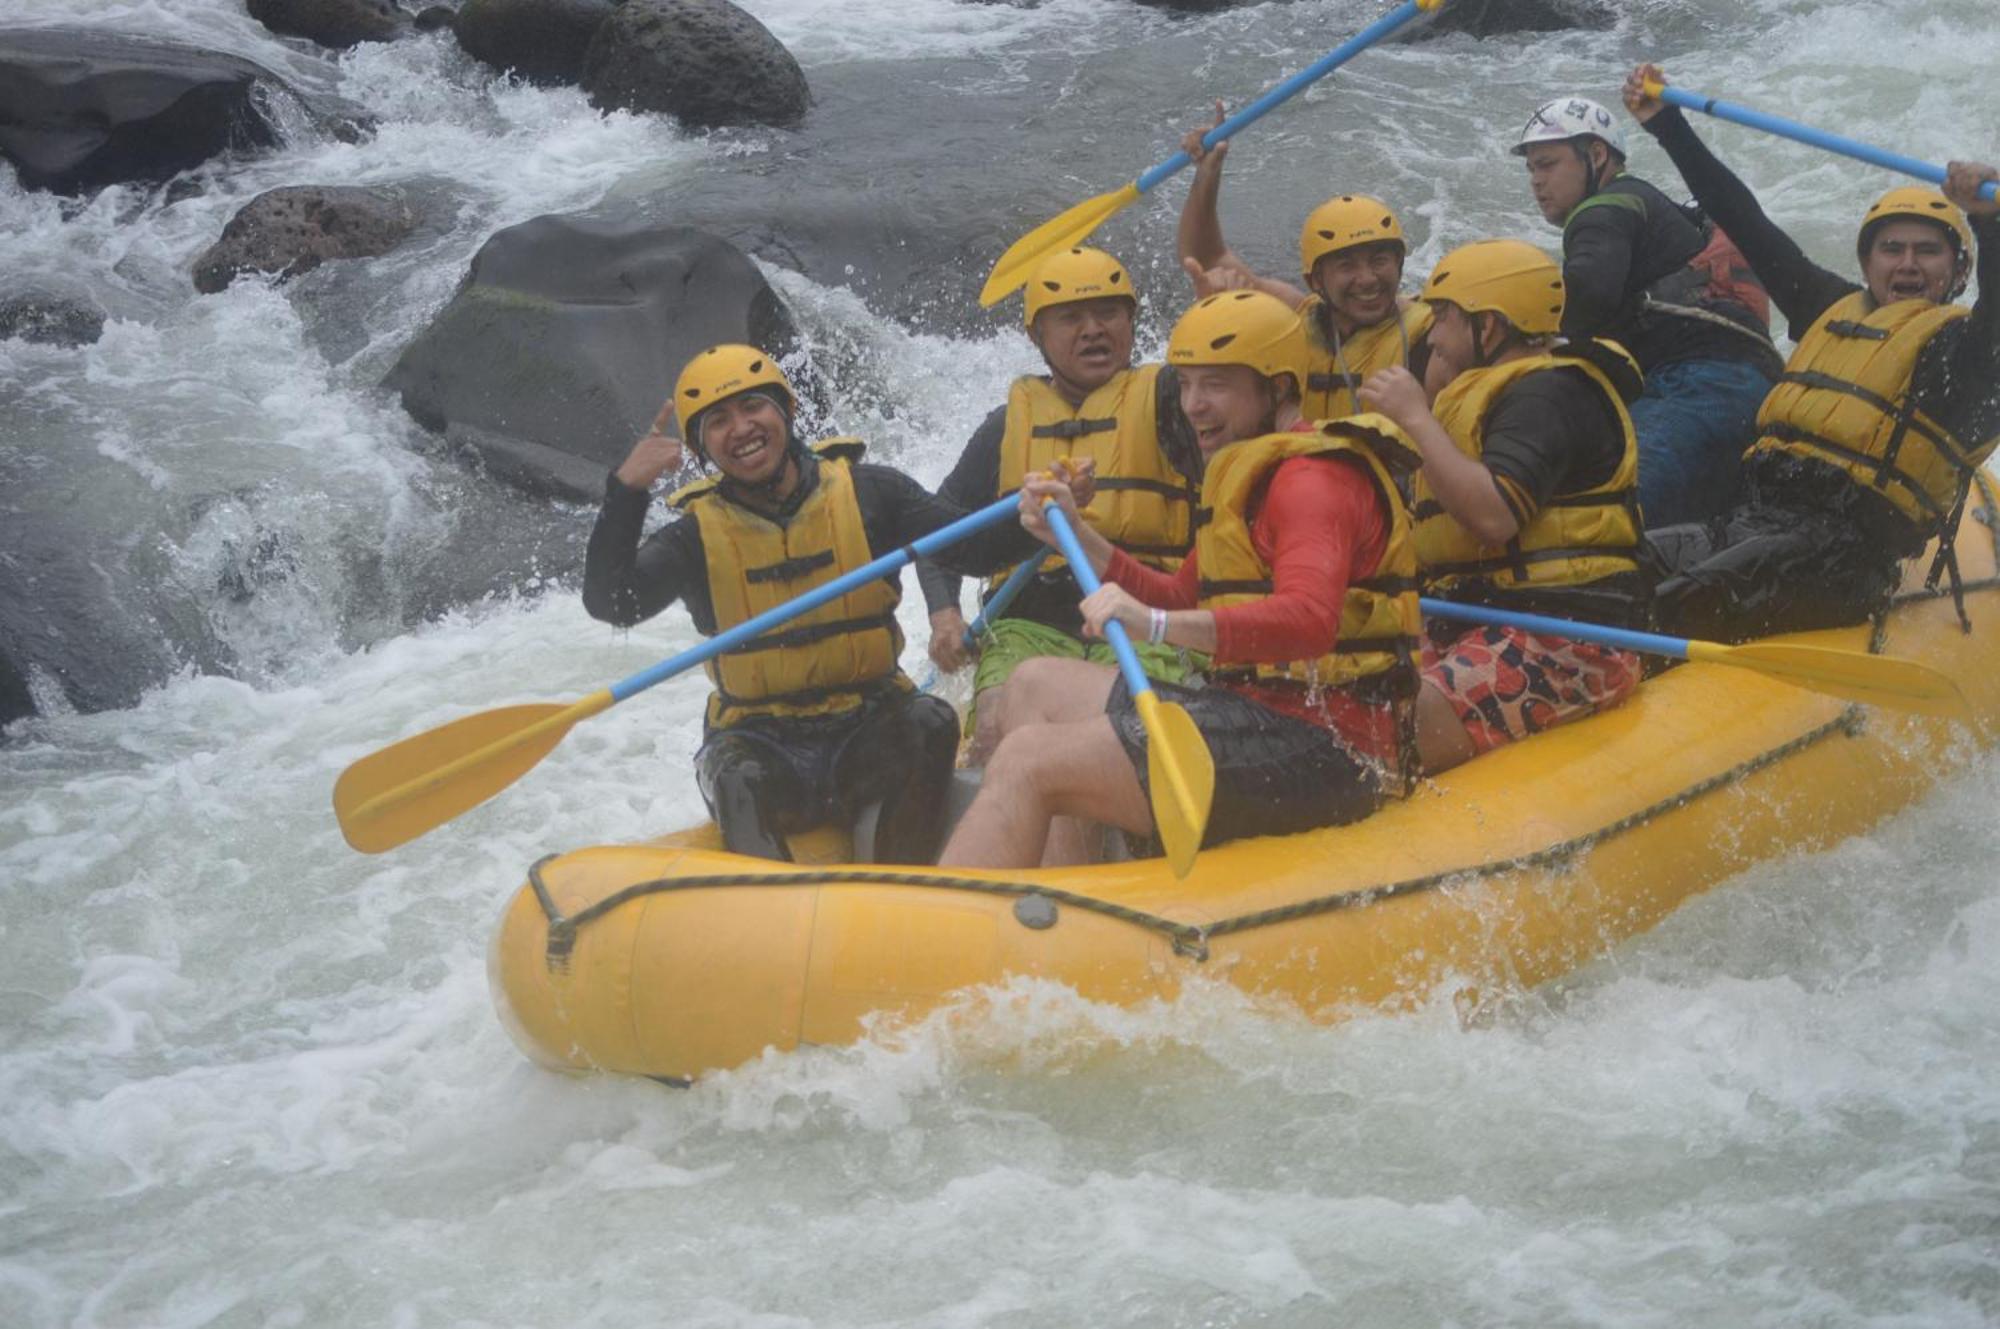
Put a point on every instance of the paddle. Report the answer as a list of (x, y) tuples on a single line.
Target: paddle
[(1879, 680), (1812, 138), (408, 788), (1071, 227), (996, 602), (1179, 770)]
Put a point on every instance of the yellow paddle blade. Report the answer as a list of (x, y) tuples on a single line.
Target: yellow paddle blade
[(1182, 776), (1062, 232), (1878, 680), (390, 797)]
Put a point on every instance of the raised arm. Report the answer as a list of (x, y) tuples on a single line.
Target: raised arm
[(1800, 288), (1205, 256), (625, 581)]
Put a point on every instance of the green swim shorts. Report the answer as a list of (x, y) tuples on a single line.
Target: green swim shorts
[(1006, 643)]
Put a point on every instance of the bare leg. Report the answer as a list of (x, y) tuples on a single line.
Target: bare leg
[(1042, 772), (1072, 842), (1442, 742), (1047, 689), (985, 725)]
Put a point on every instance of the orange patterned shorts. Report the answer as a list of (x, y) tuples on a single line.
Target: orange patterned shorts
[(1508, 683)]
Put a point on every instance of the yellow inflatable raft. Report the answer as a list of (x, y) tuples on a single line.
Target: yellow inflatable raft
[(675, 958)]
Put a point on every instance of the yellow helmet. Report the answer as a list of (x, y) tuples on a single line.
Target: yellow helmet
[(723, 371), (1344, 222), (1241, 328), (1073, 275), (1924, 205), (1508, 277)]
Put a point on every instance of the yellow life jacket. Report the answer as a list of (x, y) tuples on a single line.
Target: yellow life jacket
[(820, 663), (1576, 538), (1336, 370), (1141, 504), (1844, 399), (1379, 621)]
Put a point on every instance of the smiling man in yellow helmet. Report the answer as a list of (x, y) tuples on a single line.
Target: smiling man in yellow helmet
[(1351, 255), (1301, 585), (1868, 445), (1092, 406), (814, 721), (1527, 500)]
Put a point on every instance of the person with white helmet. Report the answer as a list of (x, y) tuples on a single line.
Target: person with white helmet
[(1867, 448), (812, 722), (1094, 407), (1659, 279), (1301, 585), (1352, 250), (1526, 500)]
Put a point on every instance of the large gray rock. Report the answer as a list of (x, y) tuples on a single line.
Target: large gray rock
[(340, 23), (80, 108), (1498, 18), (705, 62), (541, 40), (566, 336), (295, 229)]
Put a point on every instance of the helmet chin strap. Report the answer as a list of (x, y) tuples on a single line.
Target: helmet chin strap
[(1480, 359), (1590, 185)]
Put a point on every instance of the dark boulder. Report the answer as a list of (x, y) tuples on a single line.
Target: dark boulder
[(433, 17), (1498, 18), (705, 62), (17, 698), (541, 40), (39, 312), (80, 109), (293, 230), (331, 22), (565, 337)]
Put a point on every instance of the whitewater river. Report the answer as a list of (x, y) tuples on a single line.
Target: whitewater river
[(250, 1078)]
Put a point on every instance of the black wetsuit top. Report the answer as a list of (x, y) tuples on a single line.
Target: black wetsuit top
[(627, 581), (1554, 433), (1049, 598), (1616, 245), (1957, 376)]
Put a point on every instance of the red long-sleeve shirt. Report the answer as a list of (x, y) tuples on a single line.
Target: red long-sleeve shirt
[(1319, 525)]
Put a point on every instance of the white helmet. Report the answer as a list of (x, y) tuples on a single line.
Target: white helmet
[(1568, 118)]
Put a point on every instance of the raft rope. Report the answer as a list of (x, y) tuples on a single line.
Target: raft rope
[(1034, 905), (1189, 939)]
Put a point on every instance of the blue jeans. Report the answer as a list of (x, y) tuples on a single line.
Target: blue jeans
[(1694, 421)]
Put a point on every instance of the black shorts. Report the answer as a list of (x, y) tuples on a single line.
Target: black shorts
[(1274, 775), (836, 764)]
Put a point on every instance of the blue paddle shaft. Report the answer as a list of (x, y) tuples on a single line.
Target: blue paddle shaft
[(1619, 639), (1003, 597), (1087, 582), (992, 514), (1270, 101), (1814, 138)]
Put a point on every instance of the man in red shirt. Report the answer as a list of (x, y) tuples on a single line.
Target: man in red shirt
[(1301, 586)]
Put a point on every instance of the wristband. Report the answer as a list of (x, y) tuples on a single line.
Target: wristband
[(1158, 633)]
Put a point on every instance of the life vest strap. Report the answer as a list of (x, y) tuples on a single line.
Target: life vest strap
[(1242, 586), (1842, 327), (1518, 558), (1171, 492), (1074, 428), (1792, 434), (786, 638), (799, 696), (790, 569), (1388, 585)]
